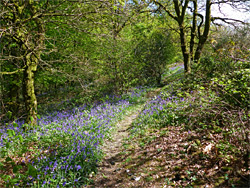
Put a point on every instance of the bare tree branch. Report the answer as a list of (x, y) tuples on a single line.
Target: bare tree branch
[(229, 20), (165, 9)]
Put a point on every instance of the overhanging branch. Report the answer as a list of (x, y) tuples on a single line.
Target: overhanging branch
[(13, 72), (228, 20), (164, 8)]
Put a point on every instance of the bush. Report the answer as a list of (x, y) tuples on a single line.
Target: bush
[(154, 53)]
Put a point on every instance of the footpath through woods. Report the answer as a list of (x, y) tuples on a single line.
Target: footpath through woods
[(127, 165), (165, 157), (114, 170), (162, 144), (111, 166)]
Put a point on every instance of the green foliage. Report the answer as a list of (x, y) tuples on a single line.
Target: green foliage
[(154, 53), (229, 78), (87, 57), (211, 102)]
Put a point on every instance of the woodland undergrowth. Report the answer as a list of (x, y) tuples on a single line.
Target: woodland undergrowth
[(209, 109)]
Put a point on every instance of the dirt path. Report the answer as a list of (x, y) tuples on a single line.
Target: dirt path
[(109, 169), (112, 171)]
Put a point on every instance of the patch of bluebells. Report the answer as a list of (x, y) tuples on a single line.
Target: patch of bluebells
[(160, 111), (173, 107), (134, 95), (69, 142), (111, 98), (176, 67)]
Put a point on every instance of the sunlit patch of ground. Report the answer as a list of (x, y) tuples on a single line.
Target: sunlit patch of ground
[(178, 158), (171, 157)]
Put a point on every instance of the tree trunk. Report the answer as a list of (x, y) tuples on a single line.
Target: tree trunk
[(185, 53), (204, 36), (199, 49), (26, 28), (158, 79), (31, 62), (29, 89), (180, 19), (193, 30)]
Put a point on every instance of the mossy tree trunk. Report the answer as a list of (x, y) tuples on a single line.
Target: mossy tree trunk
[(31, 61), (28, 33), (29, 89)]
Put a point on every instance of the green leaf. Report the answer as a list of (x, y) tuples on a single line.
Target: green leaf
[(7, 145), (25, 126), (8, 159), (9, 114), (15, 124), (226, 177), (12, 45), (32, 171), (194, 178), (20, 138), (31, 118), (221, 82), (10, 132), (15, 169), (6, 177)]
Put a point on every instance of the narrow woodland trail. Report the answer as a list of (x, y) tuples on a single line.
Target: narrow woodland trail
[(113, 158), (112, 170), (170, 156)]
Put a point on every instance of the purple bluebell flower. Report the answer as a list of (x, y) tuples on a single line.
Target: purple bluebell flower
[(78, 167)]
